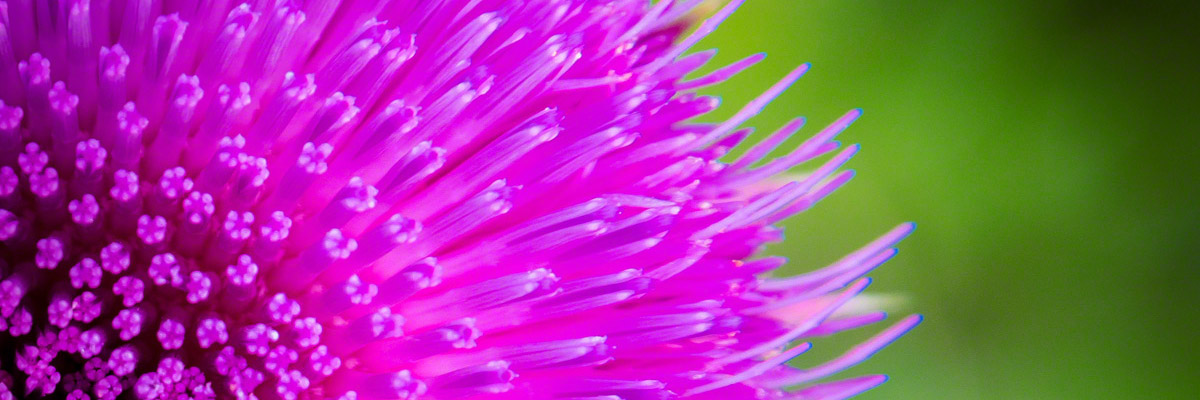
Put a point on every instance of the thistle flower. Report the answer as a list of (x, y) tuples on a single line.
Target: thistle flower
[(399, 200)]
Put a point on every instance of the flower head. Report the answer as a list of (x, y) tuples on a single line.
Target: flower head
[(399, 200)]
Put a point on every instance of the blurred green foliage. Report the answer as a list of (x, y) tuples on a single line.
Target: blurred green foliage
[(1049, 151)]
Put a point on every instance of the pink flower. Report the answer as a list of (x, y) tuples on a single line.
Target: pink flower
[(399, 200)]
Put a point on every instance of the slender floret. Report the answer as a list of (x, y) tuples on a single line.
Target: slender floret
[(374, 199)]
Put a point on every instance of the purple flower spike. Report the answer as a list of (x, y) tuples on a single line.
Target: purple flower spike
[(227, 362), (9, 183), (123, 360), (36, 71), (306, 332), (92, 343), (114, 258), (150, 386), (171, 369), (89, 156), (291, 385), (279, 359), (246, 381), (198, 208), (130, 289), (152, 230), (243, 273), (125, 186), (12, 290), (312, 158), (28, 358), (78, 395), (199, 287), (165, 270), (321, 363), (61, 310), (127, 150), (69, 340), (351, 293), (50, 252), (282, 310), (20, 323), (211, 331), (45, 186), (95, 369), (171, 334), (171, 189), (86, 307), (232, 235), (84, 212), (10, 117), (85, 273), (108, 388), (339, 200), (44, 379), (258, 338), (128, 323), (33, 160)]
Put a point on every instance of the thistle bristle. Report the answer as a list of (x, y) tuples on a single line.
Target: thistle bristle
[(397, 200)]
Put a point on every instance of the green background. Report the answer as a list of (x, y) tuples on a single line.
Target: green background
[(1047, 150)]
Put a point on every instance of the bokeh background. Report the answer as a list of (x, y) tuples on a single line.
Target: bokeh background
[(1049, 151)]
